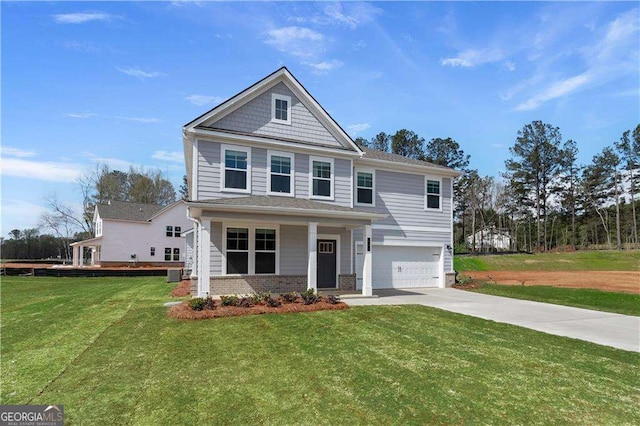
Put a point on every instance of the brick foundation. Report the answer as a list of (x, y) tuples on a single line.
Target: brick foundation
[(347, 282), (245, 284)]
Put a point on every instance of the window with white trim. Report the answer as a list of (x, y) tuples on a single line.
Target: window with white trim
[(167, 254), (265, 251), (280, 108), (433, 194), (176, 254), (169, 232), (237, 250), (365, 193), (321, 177), (280, 178), (236, 165)]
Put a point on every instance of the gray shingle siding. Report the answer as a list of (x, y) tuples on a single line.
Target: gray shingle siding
[(255, 117)]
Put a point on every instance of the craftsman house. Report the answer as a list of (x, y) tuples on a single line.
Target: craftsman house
[(135, 234), (282, 199)]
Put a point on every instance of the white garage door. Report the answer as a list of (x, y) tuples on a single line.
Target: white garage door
[(406, 267)]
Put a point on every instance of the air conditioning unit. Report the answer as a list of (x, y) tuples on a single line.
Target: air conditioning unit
[(174, 275)]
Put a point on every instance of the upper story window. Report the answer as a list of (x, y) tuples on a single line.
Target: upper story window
[(433, 194), (280, 178), (280, 108), (173, 231), (169, 231), (99, 228), (322, 176), (365, 191), (236, 169)]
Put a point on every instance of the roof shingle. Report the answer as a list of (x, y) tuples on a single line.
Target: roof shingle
[(121, 210)]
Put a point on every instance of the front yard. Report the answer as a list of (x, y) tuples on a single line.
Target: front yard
[(105, 349)]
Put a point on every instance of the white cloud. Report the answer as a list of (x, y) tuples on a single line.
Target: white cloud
[(616, 55), (114, 163), (81, 18), (19, 214), (137, 72), (84, 115), (352, 14), (175, 156), (497, 145), (556, 90), (41, 170), (298, 41), (8, 151), (201, 100), (81, 115), (473, 57), (325, 66), (354, 129), (509, 66)]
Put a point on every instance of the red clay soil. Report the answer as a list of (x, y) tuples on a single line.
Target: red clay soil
[(183, 311), (47, 265), (182, 289), (620, 281)]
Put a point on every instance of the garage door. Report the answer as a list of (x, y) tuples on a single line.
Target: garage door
[(405, 267)]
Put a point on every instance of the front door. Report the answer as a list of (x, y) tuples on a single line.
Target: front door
[(326, 263)]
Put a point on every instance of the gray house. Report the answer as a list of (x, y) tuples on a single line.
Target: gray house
[(282, 199)]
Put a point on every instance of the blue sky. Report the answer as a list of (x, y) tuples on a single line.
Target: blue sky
[(114, 82)]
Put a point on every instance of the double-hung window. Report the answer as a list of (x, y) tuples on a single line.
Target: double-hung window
[(322, 175), (236, 169), (365, 188), (176, 254), (280, 108), (177, 231), (433, 194), (167, 254), (281, 175), (237, 250), (265, 251), (169, 232)]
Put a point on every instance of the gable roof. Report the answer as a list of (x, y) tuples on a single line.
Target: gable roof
[(282, 75), (135, 212), (395, 159)]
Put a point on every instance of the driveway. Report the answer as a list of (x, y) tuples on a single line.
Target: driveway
[(603, 328)]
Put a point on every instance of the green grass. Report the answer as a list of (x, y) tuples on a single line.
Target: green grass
[(575, 261), (621, 303), (106, 350)]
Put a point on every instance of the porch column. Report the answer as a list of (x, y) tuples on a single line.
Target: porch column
[(367, 289), (312, 265), (74, 256), (81, 257), (93, 256), (204, 274)]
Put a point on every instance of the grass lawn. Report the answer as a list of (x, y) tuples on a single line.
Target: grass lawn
[(621, 303), (628, 260), (105, 349)]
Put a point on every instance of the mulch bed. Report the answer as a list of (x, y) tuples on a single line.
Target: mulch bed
[(182, 289), (472, 285), (183, 311)]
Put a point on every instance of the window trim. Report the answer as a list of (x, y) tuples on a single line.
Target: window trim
[(251, 227), (373, 187), (176, 254), (332, 180), (168, 231), (438, 179), (292, 187), (277, 96), (223, 153), (170, 254)]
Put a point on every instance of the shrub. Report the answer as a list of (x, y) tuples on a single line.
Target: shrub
[(271, 302), (308, 298), (196, 303), (229, 300), (289, 297), (260, 297), (209, 303), (333, 299), (245, 302)]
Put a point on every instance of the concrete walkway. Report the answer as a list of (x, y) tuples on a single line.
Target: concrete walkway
[(603, 328)]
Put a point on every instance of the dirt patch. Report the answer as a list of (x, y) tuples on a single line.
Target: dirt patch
[(182, 289), (183, 311), (620, 281)]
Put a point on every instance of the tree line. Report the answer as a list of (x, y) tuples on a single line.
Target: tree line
[(544, 199)]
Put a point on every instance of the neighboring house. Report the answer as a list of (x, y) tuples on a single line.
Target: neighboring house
[(282, 199), (490, 239), (135, 234)]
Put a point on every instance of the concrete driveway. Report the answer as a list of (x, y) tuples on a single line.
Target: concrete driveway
[(603, 328)]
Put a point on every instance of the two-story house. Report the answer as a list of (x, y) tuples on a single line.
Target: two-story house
[(135, 234), (282, 199)]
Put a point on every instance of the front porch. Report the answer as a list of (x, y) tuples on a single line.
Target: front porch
[(279, 250), (94, 245)]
